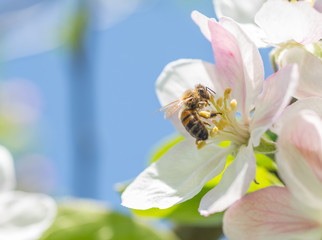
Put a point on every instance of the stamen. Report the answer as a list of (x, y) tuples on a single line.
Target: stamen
[(214, 131), (220, 102), (233, 104), (227, 92)]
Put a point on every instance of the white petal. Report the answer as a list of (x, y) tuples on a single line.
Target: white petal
[(233, 184), (241, 11), (177, 176), (301, 22), (267, 214), (181, 75), (7, 175), (312, 103), (310, 68), (276, 95), (299, 157), (239, 63), (25, 216)]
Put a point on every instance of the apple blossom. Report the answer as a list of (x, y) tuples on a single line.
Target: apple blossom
[(295, 211), (238, 80), (297, 39), (24, 216)]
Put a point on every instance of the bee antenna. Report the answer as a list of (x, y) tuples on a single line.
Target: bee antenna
[(210, 90)]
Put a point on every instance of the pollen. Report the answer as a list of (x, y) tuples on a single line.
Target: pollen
[(214, 131), (227, 92), (233, 104), (205, 114)]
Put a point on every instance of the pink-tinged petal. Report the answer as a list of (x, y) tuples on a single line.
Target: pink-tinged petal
[(233, 184), (241, 11), (301, 22), (25, 216), (269, 214), (276, 95), (318, 5), (238, 61), (310, 69), (7, 174), (181, 75), (176, 177), (299, 157), (312, 103), (202, 21)]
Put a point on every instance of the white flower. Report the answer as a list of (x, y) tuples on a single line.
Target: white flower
[(24, 216), (238, 80), (295, 211), (294, 28)]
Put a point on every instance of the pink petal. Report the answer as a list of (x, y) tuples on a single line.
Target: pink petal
[(181, 75), (268, 214), (310, 69), (233, 184), (312, 103), (239, 63), (299, 157), (301, 22), (176, 177), (276, 95)]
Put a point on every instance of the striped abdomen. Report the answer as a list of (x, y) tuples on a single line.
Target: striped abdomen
[(193, 124)]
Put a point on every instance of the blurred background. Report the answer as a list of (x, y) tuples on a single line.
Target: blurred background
[(77, 88)]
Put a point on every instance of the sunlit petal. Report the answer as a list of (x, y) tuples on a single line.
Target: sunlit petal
[(7, 175), (233, 184), (299, 157), (301, 22), (239, 62), (277, 92), (177, 176), (268, 214), (310, 69), (25, 216), (312, 103), (241, 11)]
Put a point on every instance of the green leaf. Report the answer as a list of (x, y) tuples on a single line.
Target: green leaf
[(265, 146), (89, 220)]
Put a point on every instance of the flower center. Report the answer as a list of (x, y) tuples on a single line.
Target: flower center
[(308, 1), (220, 120)]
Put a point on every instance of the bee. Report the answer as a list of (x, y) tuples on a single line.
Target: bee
[(192, 101)]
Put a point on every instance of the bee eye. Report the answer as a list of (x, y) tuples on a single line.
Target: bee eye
[(202, 93)]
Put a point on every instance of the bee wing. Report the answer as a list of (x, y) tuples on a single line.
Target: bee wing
[(172, 107)]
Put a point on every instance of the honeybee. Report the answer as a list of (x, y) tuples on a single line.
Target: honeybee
[(193, 100)]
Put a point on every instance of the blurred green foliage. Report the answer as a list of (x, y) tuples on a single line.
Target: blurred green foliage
[(90, 220)]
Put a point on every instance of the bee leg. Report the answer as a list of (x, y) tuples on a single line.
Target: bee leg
[(256, 181), (200, 144), (214, 114)]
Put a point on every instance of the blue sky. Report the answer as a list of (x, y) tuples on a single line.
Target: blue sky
[(126, 60)]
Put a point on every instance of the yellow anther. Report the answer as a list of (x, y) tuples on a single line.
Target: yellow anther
[(220, 101), (205, 114), (201, 144), (214, 131), (233, 104), (227, 92)]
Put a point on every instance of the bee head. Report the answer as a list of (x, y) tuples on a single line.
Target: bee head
[(202, 90)]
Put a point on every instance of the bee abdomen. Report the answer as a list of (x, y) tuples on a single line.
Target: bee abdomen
[(193, 125)]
